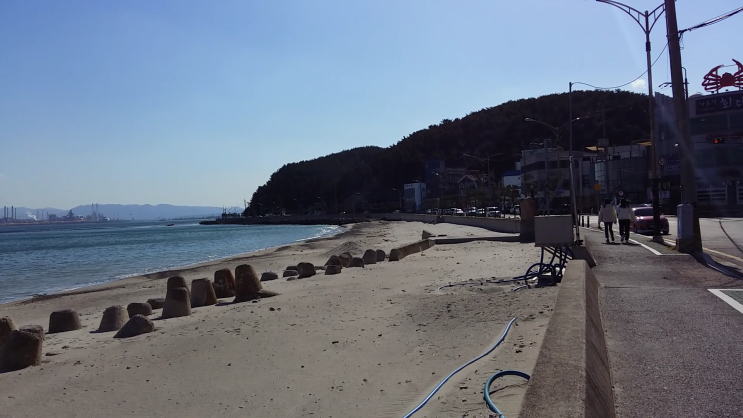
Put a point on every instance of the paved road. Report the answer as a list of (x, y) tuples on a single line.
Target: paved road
[(674, 347)]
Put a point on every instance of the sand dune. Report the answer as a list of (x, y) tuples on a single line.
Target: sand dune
[(368, 342)]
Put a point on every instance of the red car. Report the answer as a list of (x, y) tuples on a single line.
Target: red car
[(644, 223)]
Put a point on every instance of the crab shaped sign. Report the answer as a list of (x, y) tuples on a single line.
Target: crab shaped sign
[(713, 81)]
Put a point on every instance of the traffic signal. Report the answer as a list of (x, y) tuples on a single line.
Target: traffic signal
[(718, 141)]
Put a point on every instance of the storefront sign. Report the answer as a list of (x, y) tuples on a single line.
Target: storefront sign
[(714, 104)]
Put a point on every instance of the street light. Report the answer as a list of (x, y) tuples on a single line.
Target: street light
[(643, 19)]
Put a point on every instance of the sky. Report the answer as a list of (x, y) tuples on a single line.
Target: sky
[(199, 102)]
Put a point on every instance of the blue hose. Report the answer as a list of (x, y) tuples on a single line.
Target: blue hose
[(436, 389), (486, 390)]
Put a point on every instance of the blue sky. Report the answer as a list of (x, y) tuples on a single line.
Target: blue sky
[(197, 103)]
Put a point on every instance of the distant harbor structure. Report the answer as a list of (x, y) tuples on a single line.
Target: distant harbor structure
[(10, 216)]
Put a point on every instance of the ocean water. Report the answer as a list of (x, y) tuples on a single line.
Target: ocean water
[(44, 259)]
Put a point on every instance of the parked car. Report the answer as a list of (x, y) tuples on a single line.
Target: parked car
[(516, 210), (644, 223), (481, 212), (493, 212), (457, 212)]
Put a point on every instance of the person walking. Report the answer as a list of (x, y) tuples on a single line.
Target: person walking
[(626, 216), (608, 216)]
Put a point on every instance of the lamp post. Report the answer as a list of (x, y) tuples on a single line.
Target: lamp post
[(644, 20)]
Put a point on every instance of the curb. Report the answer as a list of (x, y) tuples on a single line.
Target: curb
[(572, 377)]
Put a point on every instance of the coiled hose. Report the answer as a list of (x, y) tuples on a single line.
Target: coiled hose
[(487, 384)]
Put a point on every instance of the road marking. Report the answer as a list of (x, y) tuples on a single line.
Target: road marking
[(652, 250), (730, 301), (723, 254)]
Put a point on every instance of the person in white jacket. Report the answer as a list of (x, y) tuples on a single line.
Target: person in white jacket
[(608, 216), (626, 216)]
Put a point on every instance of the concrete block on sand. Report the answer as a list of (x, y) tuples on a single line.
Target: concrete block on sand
[(156, 303), (139, 308), (224, 283), (176, 281), (381, 255), (345, 259), (306, 270), (21, 350), (426, 235), (356, 262), (202, 293), (34, 329), (334, 260), (138, 324), (268, 276), (114, 317), (332, 269), (177, 303), (370, 257), (290, 273), (7, 326), (291, 268), (248, 284), (64, 321)]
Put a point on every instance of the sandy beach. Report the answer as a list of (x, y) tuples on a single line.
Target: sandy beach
[(369, 342)]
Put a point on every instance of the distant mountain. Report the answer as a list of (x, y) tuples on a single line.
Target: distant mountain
[(127, 212)]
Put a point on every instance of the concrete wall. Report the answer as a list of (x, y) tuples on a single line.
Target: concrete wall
[(572, 376), (507, 225)]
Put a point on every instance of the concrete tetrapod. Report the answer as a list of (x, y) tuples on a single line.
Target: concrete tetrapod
[(290, 273), (345, 259), (156, 303), (21, 350), (202, 293), (138, 324), (381, 255), (176, 281), (224, 283), (332, 269), (139, 308), (334, 260), (114, 317), (63, 321), (356, 262), (306, 270), (7, 326), (370, 257), (34, 329), (248, 284), (268, 276), (177, 303)]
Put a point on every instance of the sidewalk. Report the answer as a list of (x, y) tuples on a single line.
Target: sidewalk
[(674, 347)]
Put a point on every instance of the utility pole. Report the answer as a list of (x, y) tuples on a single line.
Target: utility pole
[(688, 175), (644, 20)]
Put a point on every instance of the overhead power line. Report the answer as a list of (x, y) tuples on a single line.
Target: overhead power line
[(633, 80), (712, 21)]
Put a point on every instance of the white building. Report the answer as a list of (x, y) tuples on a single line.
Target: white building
[(414, 194)]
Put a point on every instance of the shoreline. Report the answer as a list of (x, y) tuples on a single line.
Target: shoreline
[(369, 341), (134, 278)]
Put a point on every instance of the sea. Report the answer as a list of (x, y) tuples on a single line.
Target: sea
[(45, 259)]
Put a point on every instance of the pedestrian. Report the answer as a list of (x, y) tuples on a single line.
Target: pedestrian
[(626, 216), (608, 216)]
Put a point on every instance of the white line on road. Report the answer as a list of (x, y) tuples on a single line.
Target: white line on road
[(730, 301), (652, 250)]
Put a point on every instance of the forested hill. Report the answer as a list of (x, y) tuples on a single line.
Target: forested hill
[(373, 172)]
